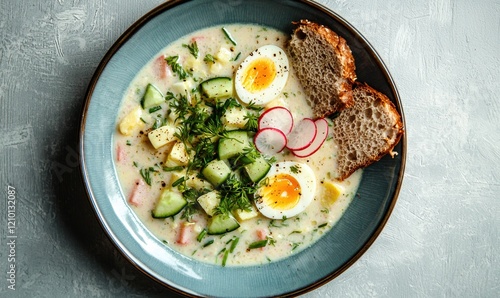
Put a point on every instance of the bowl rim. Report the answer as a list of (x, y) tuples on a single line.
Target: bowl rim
[(138, 24)]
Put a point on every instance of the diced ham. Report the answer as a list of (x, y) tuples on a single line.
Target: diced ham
[(262, 234), (161, 68), (120, 154), (185, 233), (138, 193), (198, 38)]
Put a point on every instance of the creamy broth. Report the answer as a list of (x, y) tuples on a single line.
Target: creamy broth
[(135, 153)]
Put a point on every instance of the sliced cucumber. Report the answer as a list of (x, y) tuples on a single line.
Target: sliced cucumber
[(169, 204), (234, 144), (222, 223), (258, 169), (216, 172), (218, 87), (152, 97)]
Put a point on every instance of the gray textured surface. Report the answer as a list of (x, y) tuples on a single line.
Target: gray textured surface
[(442, 238)]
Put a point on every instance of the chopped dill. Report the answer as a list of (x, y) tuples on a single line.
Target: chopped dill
[(252, 121), (176, 67), (193, 48), (190, 194), (209, 58), (234, 195), (146, 175), (295, 169)]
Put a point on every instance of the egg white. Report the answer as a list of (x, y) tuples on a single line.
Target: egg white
[(305, 177), (281, 66)]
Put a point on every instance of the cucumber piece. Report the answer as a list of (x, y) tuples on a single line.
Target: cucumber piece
[(218, 87), (216, 172), (258, 169), (169, 204), (234, 144), (152, 97), (222, 223)]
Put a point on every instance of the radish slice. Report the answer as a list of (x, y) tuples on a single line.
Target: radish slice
[(322, 133), (277, 117), (270, 141), (302, 135)]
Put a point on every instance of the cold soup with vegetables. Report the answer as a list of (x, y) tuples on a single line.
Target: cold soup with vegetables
[(218, 154)]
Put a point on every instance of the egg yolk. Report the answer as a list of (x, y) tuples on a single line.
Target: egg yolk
[(282, 192), (259, 74)]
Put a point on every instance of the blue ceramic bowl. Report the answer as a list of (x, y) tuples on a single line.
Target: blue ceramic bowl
[(302, 272)]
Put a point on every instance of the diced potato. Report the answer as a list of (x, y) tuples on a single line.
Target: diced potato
[(183, 87), (178, 155), (242, 215), (196, 66), (209, 201), (162, 136), (234, 118), (332, 191), (131, 122), (191, 180), (223, 55), (217, 68), (198, 183)]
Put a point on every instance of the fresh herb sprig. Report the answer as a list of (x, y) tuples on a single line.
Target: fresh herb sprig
[(190, 194), (235, 194), (177, 67), (146, 174), (193, 48), (209, 58)]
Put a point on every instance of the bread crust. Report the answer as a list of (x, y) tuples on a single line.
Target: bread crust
[(389, 144), (345, 58), (337, 42)]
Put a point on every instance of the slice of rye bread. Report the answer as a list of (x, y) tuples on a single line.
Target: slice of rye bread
[(367, 131), (324, 66)]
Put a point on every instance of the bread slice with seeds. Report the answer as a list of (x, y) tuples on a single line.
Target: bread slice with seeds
[(324, 66), (367, 131)]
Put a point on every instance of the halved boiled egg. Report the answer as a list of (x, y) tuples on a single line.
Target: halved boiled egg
[(262, 75), (287, 190)]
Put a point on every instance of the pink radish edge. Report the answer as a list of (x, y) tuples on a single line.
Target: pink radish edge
[(270, 140), (267, 119), (321, 135), (302, 135)]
